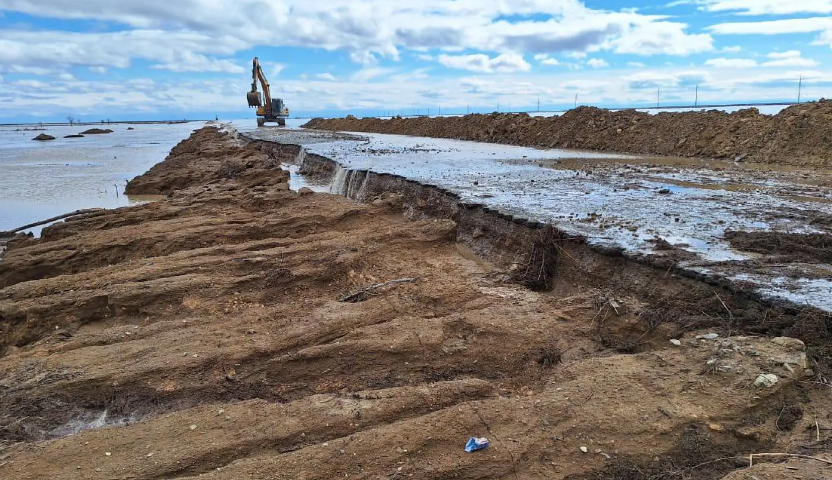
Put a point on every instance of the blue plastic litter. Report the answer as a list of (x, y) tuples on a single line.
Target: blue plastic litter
[(476, 443)]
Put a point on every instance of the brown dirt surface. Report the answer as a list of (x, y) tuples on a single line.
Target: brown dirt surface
[(43, 137), (800, 135), (784, 247), (96, 131), (202, 336)]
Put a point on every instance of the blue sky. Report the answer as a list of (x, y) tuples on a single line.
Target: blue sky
[(126, 59)]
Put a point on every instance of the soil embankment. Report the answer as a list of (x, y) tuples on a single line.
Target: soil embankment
[(203, 336), (800, 135)]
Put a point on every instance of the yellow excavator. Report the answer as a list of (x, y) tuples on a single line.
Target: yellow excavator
[(270, 110)]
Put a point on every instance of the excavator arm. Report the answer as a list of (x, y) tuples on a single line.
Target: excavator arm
[(254, 99)]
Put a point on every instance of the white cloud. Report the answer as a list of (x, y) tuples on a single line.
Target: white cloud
[(98, 70), (597, 63), (790, 58), (369, 30), (731, 63), (424, 57), (545, 59), (326, 76), (774, 27), (368, 73), (364, 57), (768, 7), (636, 64), (662, 38), (481, 63), (731, 49)]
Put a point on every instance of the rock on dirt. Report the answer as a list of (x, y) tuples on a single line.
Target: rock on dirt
[(798, 135), (44, 137), (74, 136), (229, 291)]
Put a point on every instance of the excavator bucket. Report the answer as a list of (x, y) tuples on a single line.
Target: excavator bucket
[(254, 99)]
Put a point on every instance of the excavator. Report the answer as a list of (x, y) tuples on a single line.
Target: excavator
[(270, 110)]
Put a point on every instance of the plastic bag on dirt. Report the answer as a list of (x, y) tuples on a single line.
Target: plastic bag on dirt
[(476, 443)]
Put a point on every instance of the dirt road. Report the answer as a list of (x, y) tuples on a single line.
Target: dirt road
[(202, 336)]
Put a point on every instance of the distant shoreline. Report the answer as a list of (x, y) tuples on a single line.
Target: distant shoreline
[(115, 122)]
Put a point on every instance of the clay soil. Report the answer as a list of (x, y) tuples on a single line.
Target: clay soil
[(202, 336), (800, 135)]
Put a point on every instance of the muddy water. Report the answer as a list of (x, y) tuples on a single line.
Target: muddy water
[(39, 180)]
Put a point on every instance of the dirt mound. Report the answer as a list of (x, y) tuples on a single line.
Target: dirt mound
[(785, 247), (210, 155), (798, 135), (74, 136), (96, 131), (43, 137), (207, 332)]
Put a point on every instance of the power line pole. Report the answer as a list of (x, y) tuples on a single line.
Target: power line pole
[(658, 96), (799, 89), (538, 103), (576, 100), (696, 100)]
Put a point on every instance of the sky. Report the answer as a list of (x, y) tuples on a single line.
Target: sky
[(172, 59)]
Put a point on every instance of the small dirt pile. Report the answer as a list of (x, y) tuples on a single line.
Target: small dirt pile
[(43, 137), (798, 135), (74, 136), (96, 131)]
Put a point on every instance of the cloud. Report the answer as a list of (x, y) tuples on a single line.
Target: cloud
[(768, 7), (731, 63), (481, 63), (636, 64), (544, 59), (731, 49), (790, 58), (326, 76), (368, 30), (597, 63), (774, 27), (364, 58), (662, 38), (182, 51)]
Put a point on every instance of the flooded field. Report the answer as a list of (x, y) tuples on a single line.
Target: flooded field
[(645, 206), (39, 180)]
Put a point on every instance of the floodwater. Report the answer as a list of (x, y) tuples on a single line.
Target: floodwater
[(614, 201), (39, 180)]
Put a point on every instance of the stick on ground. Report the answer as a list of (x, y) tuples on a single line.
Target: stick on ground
[(362, 294)]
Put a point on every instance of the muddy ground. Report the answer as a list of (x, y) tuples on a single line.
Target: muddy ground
[(203, 336), (798, 135)]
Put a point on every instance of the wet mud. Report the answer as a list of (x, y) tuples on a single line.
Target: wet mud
[(202, 336)]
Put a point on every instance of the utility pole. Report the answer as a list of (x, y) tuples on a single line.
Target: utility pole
[(696, 99), (538, 103), (799, 89), (658, 96), (576, 100)]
